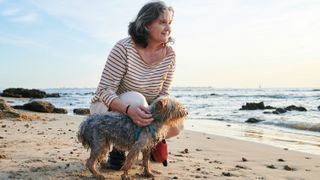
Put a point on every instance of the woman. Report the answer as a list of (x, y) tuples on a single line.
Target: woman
[(143, 62)]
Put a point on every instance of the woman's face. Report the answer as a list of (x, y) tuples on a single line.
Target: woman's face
[(160, 29)]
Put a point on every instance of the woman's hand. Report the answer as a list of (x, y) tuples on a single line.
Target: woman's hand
[(140, 115)]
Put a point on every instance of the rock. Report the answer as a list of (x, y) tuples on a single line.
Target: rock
[(295, 108), (60, 111), (6, 111), (26, 93), (253, 120), (319, 108), (21, 92), (226, 174), (39, 106), (269, 107), (271, 166), (81, 111), (2, 156), (279, 111), (53, 95), (288, 168), (244, 159), (253, 106)]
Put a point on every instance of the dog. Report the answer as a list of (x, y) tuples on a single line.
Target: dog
[(99, 132)]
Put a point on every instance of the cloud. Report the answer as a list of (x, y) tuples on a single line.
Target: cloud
[(10, 11), (105, 21), (26, 18), (18, 41)]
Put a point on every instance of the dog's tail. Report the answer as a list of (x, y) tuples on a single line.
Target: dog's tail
[(82, 135)]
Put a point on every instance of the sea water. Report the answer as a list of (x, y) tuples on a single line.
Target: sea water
[(216, 111)]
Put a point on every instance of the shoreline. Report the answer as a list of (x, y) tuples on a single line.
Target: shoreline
[(47, 149), (280, 138)]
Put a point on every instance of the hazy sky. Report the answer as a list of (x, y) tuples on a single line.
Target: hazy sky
[(219, 43)]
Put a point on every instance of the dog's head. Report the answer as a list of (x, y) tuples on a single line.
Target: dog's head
[(168, 110)]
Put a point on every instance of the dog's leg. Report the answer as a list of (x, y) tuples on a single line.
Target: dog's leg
[(146, 164), (102, 158), (95, 153), (131, 157), (104, 150)]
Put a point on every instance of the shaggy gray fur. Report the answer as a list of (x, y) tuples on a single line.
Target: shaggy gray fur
[(98, 132)]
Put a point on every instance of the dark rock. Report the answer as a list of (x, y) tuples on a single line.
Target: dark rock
[(253, 106), (271, 166), (288, 168), (253, 120), (39, 106), (81, 111), (269, 107), (319, 108), (60, 111), (27, 93), (21, 92), (267, 112), (279, 111), (53, 95), (295, 108), (18, 107), (226, 174), (213, 94)]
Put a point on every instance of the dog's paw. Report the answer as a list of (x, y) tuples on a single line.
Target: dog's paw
[(156, 172), (99, 176), (126, 177), (147, 174)]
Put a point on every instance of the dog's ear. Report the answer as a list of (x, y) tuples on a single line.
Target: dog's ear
[(161, 104)]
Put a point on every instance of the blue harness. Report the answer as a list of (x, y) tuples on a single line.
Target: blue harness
[(151, 130)]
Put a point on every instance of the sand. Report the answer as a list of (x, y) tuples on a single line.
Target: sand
[(47, 148)]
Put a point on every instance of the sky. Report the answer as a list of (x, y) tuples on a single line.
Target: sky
[(218, 43)]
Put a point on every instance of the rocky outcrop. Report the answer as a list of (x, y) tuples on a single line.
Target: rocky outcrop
[(253, 120), (279, 111), (295, 108), (41, 106), (255, 106), (81, 111), (319, 108), (60, 111), (26, 93), (6, 111)]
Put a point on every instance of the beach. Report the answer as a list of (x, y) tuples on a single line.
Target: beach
[(46, 147)]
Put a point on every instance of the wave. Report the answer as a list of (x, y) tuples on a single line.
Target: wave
[(267, 96), (297, 126)]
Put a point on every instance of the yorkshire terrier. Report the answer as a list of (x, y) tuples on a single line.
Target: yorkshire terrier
[(99, 132)]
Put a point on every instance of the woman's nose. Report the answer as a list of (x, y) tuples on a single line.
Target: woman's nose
[(168, 27)]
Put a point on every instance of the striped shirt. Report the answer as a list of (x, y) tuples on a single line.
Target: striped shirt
[(126, 71)]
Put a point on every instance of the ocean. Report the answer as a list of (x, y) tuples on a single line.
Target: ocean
[(216, 111)]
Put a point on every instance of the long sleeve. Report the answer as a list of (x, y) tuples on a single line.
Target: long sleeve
[(168, 79), (113, 72)]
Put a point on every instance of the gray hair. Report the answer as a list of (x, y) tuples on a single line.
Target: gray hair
[(147, 14)]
